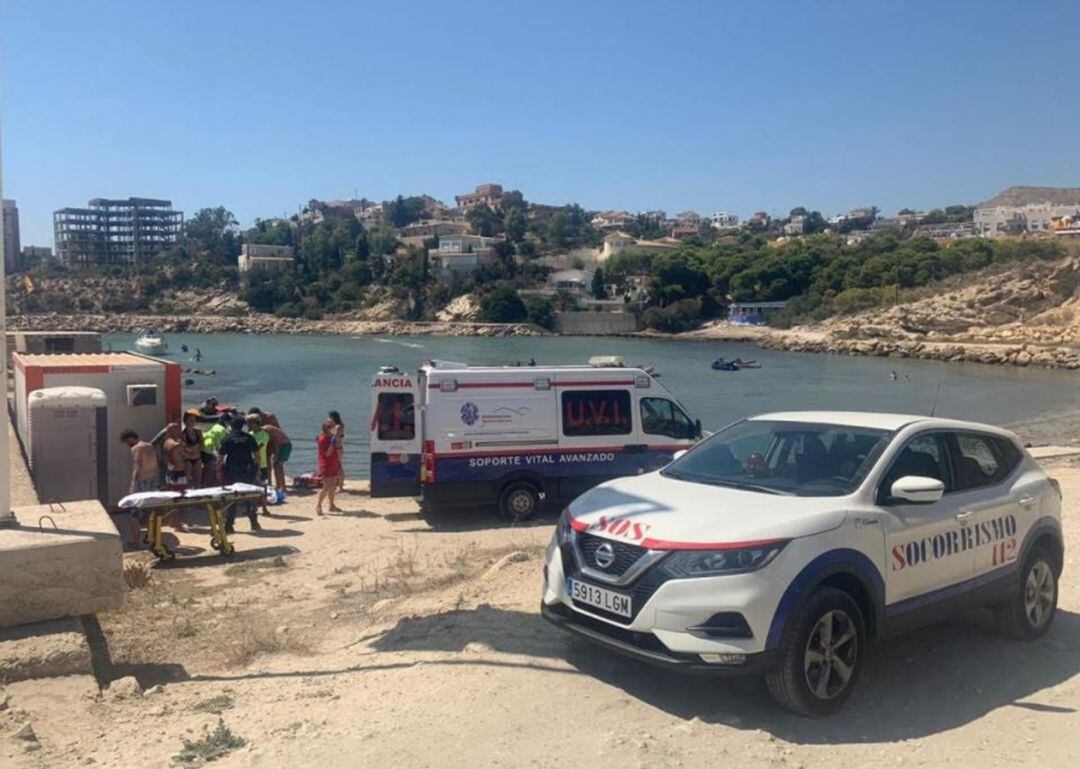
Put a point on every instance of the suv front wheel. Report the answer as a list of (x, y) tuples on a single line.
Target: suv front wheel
[(821, 655)]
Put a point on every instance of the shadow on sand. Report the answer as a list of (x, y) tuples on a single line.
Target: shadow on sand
[(930, 681)]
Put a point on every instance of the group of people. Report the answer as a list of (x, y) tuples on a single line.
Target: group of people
[(235, 448)]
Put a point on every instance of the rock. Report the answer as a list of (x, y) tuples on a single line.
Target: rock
[(156, 689), (25, 733), (475, 647), (334, 615), (517, 556), (124, 688), (3, 701), (382, 605)]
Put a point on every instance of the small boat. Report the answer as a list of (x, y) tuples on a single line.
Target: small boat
[(746, 363), (151, 342), (724, 365)]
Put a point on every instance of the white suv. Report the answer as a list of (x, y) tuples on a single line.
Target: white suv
[(782, 545)]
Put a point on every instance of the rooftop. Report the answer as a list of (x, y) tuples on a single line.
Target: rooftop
[(109, 360)]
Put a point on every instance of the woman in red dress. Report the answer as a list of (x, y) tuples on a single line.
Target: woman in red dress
[(329, 466)]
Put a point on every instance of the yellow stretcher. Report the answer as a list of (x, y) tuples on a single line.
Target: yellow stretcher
[(157, 506)]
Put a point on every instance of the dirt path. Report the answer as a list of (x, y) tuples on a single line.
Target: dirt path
[(376, 640)]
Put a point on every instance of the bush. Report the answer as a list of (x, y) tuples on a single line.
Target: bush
[(540, 311), (683, 315), (503, 305)]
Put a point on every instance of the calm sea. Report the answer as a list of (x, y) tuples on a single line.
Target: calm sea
[(299, 378)]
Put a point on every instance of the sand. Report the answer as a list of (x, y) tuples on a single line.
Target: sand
[(378, 639)]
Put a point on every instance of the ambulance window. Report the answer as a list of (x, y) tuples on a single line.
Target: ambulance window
[(596, 412), (396, 417), (659, 416)]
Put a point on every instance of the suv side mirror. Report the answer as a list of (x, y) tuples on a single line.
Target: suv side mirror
[(917, 489)]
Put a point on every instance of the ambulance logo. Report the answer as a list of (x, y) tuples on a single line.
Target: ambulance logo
[(469, 414)]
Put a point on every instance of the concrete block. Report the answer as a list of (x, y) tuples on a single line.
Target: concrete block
[(44, 650), (71, 569)]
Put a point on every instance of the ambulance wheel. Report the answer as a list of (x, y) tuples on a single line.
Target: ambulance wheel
[(821, 655), (1029, 612), (519, 501)]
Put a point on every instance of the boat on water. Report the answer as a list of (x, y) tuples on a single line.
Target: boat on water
[(151, 342), (724, 365)]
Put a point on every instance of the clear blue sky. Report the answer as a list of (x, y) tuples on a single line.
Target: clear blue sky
[(260, 106)]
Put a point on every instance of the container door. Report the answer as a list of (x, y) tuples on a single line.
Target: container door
[(395, 436)]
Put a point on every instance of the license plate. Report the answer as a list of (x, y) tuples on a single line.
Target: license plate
[(599, 598)]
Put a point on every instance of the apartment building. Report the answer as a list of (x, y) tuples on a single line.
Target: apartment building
[(260, 257), (725, 220), (10, 225), (458, 255), (115, 232), (489, 195)]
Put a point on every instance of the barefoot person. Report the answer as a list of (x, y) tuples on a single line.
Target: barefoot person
[(144, 471), (279, 450), (193, 453), (339, 437), (176, 477), (329, 466)]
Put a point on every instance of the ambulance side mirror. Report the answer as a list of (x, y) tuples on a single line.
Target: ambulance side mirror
[(917, 489)]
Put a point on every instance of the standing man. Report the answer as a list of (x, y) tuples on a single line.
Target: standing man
[(144, 472), (240, 461), (266, 417), (279, 450), (262, 440), (193, 441)]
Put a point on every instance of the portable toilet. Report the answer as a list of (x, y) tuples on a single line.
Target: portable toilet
[(143, 394), (67, 429)]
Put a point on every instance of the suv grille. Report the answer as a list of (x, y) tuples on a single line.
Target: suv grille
[(626, 555), (640, 590)]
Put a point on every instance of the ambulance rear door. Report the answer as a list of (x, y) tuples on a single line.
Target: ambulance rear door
[(395, 434)]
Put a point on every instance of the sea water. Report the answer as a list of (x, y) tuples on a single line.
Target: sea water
[(300, 378)]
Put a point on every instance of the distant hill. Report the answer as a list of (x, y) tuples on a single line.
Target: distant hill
[(1026, 196)]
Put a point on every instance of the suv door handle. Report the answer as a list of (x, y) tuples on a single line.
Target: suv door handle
[(964, 516), (1028, 501)]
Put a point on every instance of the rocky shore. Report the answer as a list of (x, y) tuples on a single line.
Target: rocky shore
[(265, 324)]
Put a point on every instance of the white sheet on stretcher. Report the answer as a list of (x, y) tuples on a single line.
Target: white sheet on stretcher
[(153, 498)]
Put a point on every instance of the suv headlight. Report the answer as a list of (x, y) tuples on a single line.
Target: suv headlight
[(563, 527), (710, 563)]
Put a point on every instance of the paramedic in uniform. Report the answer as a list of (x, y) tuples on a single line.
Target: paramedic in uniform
[(239, 455)]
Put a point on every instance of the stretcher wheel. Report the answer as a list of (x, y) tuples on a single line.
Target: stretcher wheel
[(228, 550), (215, 544)]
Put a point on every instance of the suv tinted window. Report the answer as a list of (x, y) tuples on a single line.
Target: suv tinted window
[(923, 456), (980, 460), (596, 412)]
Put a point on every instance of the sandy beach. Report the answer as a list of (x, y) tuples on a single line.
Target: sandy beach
[(378, 638)]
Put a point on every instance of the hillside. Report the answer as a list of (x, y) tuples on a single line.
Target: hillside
[(1034, 302), (1026, 196)]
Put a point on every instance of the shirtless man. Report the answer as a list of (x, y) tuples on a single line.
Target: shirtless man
[(279, 451), (144, 471), (175, 460)]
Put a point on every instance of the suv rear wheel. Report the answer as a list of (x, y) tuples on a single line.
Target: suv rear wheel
[(1030, 611), (519, 501), (822, 655)]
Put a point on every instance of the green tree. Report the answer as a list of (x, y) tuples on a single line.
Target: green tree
[(503, 305), (484, 220), (213, 232), (362, 247), (515, 225), (599, 290), (402, 211)]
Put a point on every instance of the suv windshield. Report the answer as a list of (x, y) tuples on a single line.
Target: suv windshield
[(800, 458)]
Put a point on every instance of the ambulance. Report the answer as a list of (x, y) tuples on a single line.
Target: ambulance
[(518, 436)]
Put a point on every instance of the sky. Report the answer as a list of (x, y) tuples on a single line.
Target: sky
[(733, 106)]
